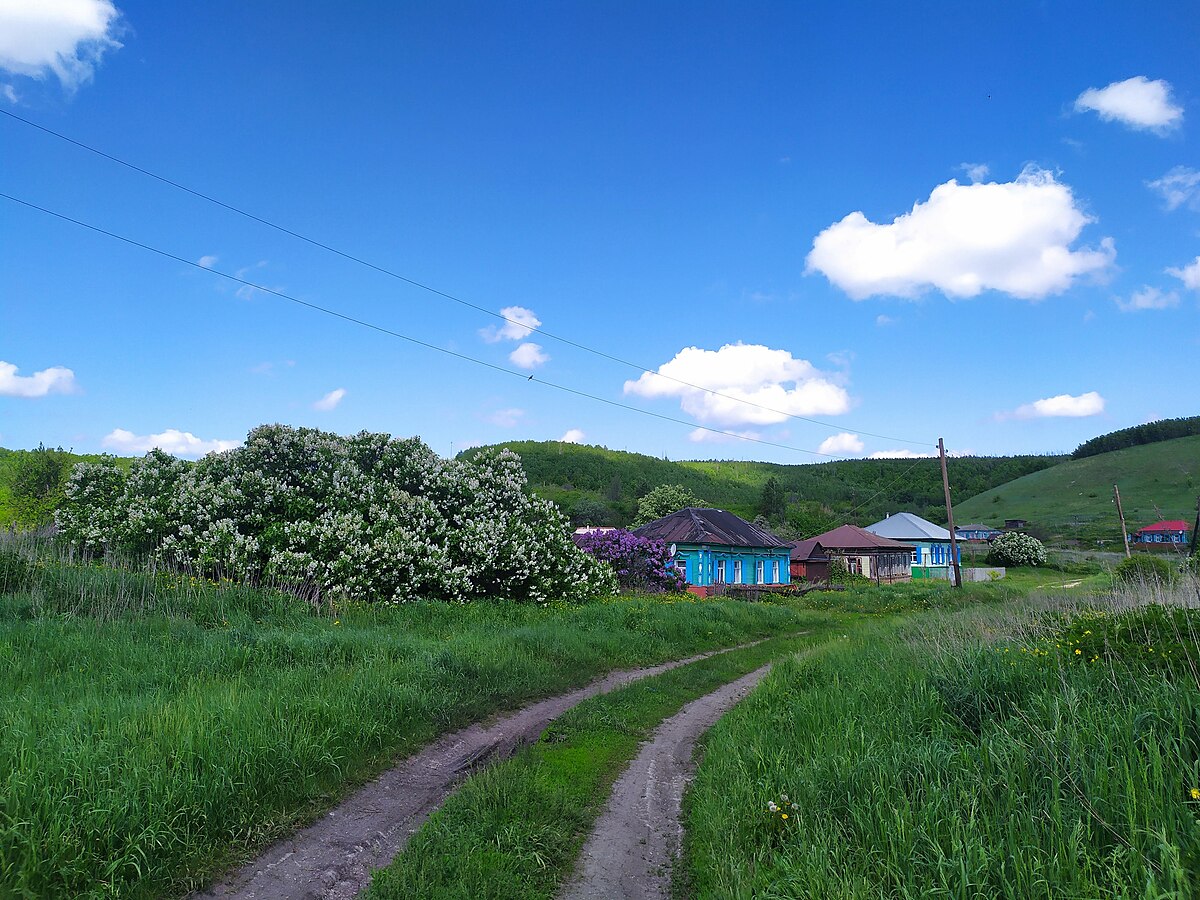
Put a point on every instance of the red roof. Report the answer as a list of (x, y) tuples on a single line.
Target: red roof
[(1169, 525), (808, 551), (851, 537)]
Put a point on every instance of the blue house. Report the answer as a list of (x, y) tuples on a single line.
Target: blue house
[(931, 556), (713, 547), (1173, 531), (976, 532)]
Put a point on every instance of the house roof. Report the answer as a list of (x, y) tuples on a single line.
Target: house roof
[(808, 551), (978, 526), (697, 525), (907, 527), (1168, 525), (851, 537)]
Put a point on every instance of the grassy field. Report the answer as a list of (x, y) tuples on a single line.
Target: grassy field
[(1046, 748), (154, 729), (1073, 501)]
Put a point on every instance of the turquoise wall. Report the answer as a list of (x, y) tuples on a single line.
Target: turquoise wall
[(702, 559)]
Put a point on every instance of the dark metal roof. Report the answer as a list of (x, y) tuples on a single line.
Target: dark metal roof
[(695, 525), (808, 551), (851, 537)]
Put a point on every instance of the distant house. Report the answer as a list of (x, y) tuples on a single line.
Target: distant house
[(879, 558), (714, 547), (1172, 531), (810, 561), (976, 532), (593, 529), (931, 556), (1010, 524)]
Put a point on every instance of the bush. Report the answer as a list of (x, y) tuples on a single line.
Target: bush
[(640, 564), (16, 572), (1142, 568), (1016, 549)]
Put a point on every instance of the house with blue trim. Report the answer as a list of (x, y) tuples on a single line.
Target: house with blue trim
[(1173, 531), (976, 532), (931, 555), (711, 547)]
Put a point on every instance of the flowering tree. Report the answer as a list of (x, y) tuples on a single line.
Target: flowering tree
[(639, 563), (1016, 549), (363, 518), (664, 500)]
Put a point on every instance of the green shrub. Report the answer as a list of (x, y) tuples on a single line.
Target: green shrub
[(1144, 568), (16, 572), (1016, 549)]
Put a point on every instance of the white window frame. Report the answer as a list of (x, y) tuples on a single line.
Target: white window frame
[(760, 572), (774, 571), (737, 571), (720, 571)]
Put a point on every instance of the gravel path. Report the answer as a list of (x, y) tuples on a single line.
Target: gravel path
[(629, 854), (332, 859)]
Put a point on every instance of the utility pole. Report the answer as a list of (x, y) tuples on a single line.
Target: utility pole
[(1195, 529), (950, 517), (1121, 513)]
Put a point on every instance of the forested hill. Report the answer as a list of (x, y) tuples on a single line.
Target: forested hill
[(602, 486), (1139, 435)]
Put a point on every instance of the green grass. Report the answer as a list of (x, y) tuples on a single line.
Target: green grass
[(964, 754), (1073, 501), (154, 730), (514, 830)]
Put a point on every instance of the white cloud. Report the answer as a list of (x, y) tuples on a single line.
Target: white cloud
[(841, 443), (1148, 298), (902, 454), (1179, 186), (1137, 102), (774, 379), (573, 436), (1189, 274), (1013, 237), (63, 37), (54, 380), (528, 356), (1064, 405), (9, 93), (331, 400), (705, 436), (207, 261), (506, 418), (975, 171), (882, 321), (177, 443), (520, 325)]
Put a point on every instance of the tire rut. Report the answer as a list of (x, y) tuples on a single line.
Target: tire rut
[(332, 858)]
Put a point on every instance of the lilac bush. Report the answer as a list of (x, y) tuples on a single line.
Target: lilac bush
[(639, 563)]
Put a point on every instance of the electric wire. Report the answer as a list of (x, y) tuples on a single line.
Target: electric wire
[(440, 293)]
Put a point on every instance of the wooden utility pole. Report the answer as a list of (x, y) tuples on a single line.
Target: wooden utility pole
[(1121, 513), (950, 517), (1195, 529)]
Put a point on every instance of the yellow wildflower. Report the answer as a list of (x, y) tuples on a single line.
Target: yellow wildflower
[(1196, 793)]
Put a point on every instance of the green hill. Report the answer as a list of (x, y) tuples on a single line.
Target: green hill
[(1072, 502), (602, 486), (10, 460)]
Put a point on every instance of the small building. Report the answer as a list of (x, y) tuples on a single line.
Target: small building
[(713, 547), (594, 529), (810, 561), (1171, 531), (879, 558), (931, 557), (976, 532), (1013, 524)]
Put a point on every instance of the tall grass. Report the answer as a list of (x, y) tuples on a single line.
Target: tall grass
[(156, 728), (967, 754)]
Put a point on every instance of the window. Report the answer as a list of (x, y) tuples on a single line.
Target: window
[(775, 571), (720, 571), (737, 571), (916, 556), (758, 572), (681, 568)]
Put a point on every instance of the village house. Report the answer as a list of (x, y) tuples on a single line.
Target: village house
[(879, 558), (1171, 531), (931, 556), (711, 548), (810, 561), (976, 532)]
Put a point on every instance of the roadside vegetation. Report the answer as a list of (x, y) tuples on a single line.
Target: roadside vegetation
[(1048, 747), (157, 727)]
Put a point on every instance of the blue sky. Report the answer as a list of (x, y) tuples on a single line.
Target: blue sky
[(973, 221)]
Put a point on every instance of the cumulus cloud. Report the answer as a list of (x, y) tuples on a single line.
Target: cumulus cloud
[(1179, 186), (177, 443), (841, 443), (1061, 406), (54, 380), (705, 436), (1189, 274), (520, 325), (64, 37), (1137, 102), (207, 261), (903, 454), (330, 400), (573, 436), (752, 373), (1148, 298), (528, 356), (975, 171), (506, 418), (1014, 237)]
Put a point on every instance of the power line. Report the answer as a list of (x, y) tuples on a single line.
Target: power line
[(439, 293), (316, 307)]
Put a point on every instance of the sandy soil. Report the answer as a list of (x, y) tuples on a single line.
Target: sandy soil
[(333, 857), (636, 840)]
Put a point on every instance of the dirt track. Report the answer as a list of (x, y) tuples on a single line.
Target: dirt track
[(333, 857), (629, 854)]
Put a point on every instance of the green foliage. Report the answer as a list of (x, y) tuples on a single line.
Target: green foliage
[(1142, 567), (1149, 433), (773, 504), (590, 512), (664, 500), (36, 484), (1016, 549), (16, 570)]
